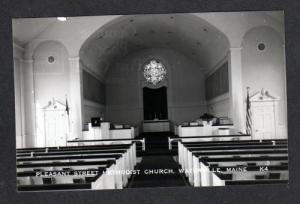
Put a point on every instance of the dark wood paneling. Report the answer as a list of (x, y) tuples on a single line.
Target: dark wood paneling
[(93, 89), (217, 83)]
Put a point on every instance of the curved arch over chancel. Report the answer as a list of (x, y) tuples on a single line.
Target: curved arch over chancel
[(185, 33)]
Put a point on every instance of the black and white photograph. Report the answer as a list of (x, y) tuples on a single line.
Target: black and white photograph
[(111, 102)]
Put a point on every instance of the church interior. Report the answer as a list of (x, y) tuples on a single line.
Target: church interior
[(162, 100)]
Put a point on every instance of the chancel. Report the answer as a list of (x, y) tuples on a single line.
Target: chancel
[(130, 101)]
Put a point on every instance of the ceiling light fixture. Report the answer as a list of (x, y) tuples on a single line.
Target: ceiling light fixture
[(62, 19)]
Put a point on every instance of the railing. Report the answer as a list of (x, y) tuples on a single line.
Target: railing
[(142, 141), (170, 139)]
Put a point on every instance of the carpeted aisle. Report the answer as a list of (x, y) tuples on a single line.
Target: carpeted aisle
[(157, 171), (157, 168)]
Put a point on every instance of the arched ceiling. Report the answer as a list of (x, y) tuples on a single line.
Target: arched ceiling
[(185, 33)]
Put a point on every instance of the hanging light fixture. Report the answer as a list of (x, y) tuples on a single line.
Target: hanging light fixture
[(154, 72)]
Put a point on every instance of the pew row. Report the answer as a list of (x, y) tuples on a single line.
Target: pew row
[(207, 138), (61, 166), (193, 157)]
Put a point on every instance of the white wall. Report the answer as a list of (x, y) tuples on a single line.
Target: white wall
[(51, 80), (266, 69), (19, 102), (37, 82), (91, 110), (220, 106), (186, 100)]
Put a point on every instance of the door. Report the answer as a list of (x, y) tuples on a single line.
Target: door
[(55, 128), (263, 119)]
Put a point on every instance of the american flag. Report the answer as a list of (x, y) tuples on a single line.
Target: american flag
[(68, 117), (248, 115), (67, 107)]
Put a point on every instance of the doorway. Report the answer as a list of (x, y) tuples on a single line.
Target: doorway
[(155, 103)]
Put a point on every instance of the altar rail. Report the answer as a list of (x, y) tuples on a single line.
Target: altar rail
[(176, 139), (142, 141)]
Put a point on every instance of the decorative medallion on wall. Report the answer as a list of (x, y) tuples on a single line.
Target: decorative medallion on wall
[(261, 46), (154, 72), (51, 59)]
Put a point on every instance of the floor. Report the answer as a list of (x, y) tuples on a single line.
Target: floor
[(157, 168)]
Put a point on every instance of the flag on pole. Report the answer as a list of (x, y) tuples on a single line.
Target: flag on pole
[(248, 114), (68, 119), (67, 107)]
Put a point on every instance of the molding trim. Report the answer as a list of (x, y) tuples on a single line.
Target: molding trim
[(18, 51), (17, 46), (235, 48), (92, 104), (214, 68), (179, 106), (74, 58), (88, 69), (27, 60), (218, 99)]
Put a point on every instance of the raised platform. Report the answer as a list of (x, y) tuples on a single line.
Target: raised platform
[(156, 126)]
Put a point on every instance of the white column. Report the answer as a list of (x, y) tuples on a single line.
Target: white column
[(75, 99), (19, 95), (18, 104), (281, 128), (236, 89), (29, 104), (285, 131)]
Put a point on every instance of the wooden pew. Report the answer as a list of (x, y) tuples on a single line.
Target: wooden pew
[(76, 165), (121, 162), (238, 161), (102, 181), (232, 149), (241, 173), (208, 139), (75, 157), (37, 178), (240, 170), (186, 160), (131, 154), (66, 148), (239, 142), (185, 151), (66, 186), (256, 182)]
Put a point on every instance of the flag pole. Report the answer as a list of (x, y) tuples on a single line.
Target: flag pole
[(248, 115), (68, 117)]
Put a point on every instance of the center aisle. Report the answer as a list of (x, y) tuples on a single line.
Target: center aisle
[(157, 168), (158, 171)]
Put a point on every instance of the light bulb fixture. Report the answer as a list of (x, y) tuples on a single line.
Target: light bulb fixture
[(154, 72), (62, 19)]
